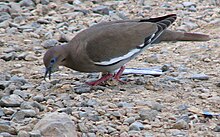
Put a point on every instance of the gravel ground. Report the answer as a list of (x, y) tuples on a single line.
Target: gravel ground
[(169, 105)]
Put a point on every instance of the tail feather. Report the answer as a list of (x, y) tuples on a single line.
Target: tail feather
[(169, 35)]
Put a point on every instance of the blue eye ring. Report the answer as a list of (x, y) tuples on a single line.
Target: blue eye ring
[(53, 60)]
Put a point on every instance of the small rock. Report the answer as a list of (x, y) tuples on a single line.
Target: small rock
[(82, 89), (30, 57), (124, 105), (8, 56), (101, 10), (38, 105), (45, 2), (4, 84), (17, 79), (11, 101), (217, 128), (116, 114), (181, 124), (43, 21), (4, 8), (134, 133), (183, 107), (27, 3), (5, 126), (21, 93), (4, 24), (67, 110), (82, 127), (92, 102), (129, 120), (178, 133), (148, 114), (4, 16), (5, 134), (179, 6), (8, 111), (38, 98), (94, 117), (83, 114), (148, 134), (137, 126), (190, 25), (188, 4), (35, 133), (49, 43), (91, 135), (27, 86), (1, 112), (200, 77), (165, 67), (22, 55), (56, 125), (23, 133), (111, 129), (20, 115), (152, 59), (154, 105), (192, 8)]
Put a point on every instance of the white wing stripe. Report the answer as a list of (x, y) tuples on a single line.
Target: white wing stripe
[(117, 59)]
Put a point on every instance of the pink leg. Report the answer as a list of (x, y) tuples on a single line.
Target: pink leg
[(119, 73), (102, 79)]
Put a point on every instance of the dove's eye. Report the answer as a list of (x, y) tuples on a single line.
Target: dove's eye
[(52, 61)]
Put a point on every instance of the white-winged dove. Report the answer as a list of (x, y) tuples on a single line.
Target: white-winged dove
[(106, 47)]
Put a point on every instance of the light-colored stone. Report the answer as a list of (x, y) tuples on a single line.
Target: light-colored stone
[(56, 125)]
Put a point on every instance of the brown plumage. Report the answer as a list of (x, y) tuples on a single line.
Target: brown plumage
[(107, 46)]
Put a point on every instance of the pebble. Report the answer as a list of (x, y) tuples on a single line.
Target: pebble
[(8, 56), (177, 133), (148, 134), (82, 89), (27, 3), (22, 55), (4, 84), (23, 133), (1, 112), (200, 77), (181, 124), (67, 110), (51, 124), (148, 114), (30, 57), (6, 126), (19, 79), (20, 93), (101, 10), (152, 59), (217, 128), (35, 133), (154, 105), (124, 105), (4, 16), (4, 24), (188, 4), (129, 120), (38, 98), (82, 127), (11, 101), (137, 126), (49, 43), (5, 134), (22, 114), (8, 111)]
